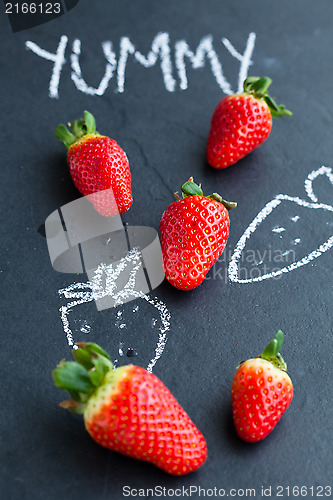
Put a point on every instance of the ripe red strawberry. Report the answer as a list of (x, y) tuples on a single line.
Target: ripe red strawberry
[(241, 122), (98, 165), (194, 232), (261, 392), (130, 410)]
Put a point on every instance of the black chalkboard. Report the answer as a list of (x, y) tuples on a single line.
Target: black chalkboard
[(95, 56)]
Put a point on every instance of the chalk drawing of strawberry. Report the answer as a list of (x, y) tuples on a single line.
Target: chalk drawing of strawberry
[(139, 332), (127, 320), (285, 235)]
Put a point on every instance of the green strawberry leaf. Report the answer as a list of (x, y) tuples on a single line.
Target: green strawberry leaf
[(271, 352), (261, 85), (279, 338), (101, 367), (229, 205), (83, 357), (81, 377), (76, 396), (258, 88), (92, 357), (94, 349), (271, 103), (78, 128), (275, 109), (249, 82), (72, 377), (97, 376), (190, 188), (257, 85), (90, 122), (64, 135)]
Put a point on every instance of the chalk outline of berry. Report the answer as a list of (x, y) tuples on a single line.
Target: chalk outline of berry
[(267, 210), (89, 291)]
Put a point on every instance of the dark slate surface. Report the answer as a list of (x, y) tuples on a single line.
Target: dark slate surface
[(46, 453)]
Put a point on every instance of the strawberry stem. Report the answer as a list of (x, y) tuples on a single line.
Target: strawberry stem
[(81, 377), (229, 205), (90, 122), (64, 135), (271, 352), (257, 86), (190, 188), (77, 130)]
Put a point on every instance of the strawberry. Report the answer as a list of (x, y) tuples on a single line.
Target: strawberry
[(194, 231), (129, 410), (98, 166), (241, 122), (261, 392)]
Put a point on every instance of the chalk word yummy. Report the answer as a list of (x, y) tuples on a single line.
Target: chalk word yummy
[(233, 268), (174, 73)]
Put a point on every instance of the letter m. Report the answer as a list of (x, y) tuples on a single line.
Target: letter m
[(205, 50), (160, 48)]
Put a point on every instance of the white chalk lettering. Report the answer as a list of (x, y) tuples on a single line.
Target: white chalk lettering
[(126, 47), (160, 47), (160, 51), (205, 49), (244, 59), (58, 58), (77, 74)]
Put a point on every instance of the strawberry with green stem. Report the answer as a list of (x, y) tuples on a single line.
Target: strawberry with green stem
[(261, 392), (194, 231), (98, 165), (129, 410), (242, 122)]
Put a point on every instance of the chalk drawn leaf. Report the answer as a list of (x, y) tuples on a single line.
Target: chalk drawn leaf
[(286, 224), (323, 173)]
